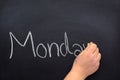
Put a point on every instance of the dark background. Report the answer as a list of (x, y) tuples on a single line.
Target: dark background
[(83, 20)]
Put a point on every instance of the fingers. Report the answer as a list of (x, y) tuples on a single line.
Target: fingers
[(96, 53), (87, 48), (88, 45), (91, 48), (99, 57)]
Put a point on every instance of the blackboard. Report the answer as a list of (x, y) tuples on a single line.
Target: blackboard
[(39, 39)]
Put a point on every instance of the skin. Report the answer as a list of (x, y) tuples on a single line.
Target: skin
[(85, 64)]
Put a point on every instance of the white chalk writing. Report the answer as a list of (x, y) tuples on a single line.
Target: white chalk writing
[(47, 49)]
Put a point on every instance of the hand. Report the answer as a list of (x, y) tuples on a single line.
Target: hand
[(85, 64)]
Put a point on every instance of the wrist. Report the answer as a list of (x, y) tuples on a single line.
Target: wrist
[(78, 73), (74, 74)]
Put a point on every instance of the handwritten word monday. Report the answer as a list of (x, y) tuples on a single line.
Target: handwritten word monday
[(48, 48)]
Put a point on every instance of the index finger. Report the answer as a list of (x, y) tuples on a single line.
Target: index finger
[(92, 48)]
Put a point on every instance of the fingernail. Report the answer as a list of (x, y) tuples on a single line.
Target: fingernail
[(88, 44), (92, 42)]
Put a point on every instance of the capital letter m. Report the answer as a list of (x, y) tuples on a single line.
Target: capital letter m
[(23, 45)]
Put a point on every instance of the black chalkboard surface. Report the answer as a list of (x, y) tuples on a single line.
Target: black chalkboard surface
[(39, 39)]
